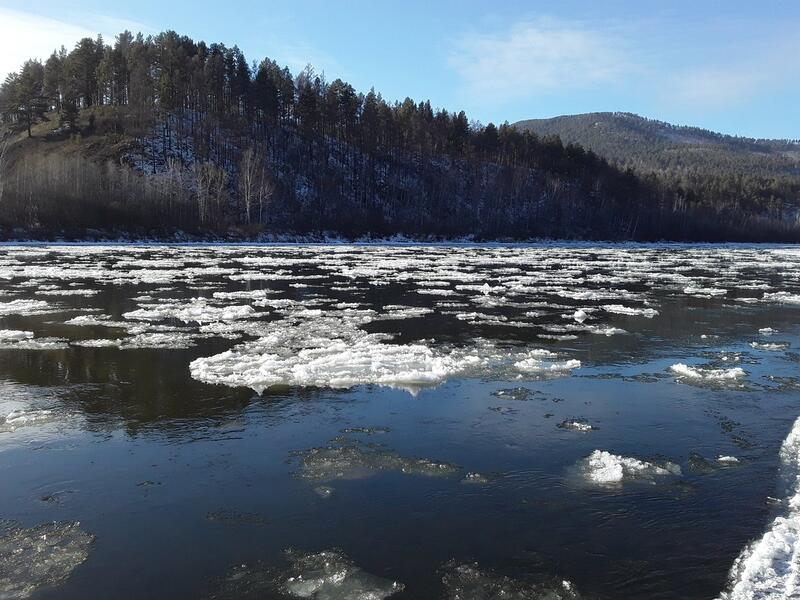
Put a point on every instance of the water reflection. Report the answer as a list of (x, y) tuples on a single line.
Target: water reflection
[(126, 440)]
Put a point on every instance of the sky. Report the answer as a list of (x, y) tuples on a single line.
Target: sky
[(730, 65)]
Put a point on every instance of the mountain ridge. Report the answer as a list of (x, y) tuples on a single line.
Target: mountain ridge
[(641, 143)]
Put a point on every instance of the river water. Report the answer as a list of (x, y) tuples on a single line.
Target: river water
[(373, 421)]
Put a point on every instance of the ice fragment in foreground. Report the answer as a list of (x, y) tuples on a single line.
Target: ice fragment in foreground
[(769, 567), (40, 556)]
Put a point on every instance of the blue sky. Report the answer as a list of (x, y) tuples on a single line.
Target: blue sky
[(732, 65)]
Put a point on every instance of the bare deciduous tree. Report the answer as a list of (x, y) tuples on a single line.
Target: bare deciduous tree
[(3, 150), (246, 180)]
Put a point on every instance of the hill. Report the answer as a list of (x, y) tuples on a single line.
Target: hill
[(158, 135), (644, 145)]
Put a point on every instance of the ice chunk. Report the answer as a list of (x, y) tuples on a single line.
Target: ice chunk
[(604, 469), (97, 343), (539, 366), (25, 307), (619, 309), (46, 343), (45, 555), (467, 581), (576, 425), (683, 371), (773, 346), (198, 310), (580, 315), (606, 330), (704, 291), (329, 353), (345, 459), (728, 459), (473, 478), (782, 297), (59, 292), (517, 393), (330, 575), (158, 340), (769, 567), (11, 335)]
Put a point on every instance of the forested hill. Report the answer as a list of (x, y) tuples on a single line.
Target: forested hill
[(164, 134), (646, 144)]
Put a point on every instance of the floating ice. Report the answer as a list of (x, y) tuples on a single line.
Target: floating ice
[(25, 307), (769, 568), (330, 575), (198, 310), (329, 353), (606, 330), (782, 297), (46, 343), (57, 292), (97, 343), (728, 459), (580, 315), (467, 581), (683, 371), (619, 309), (604, 468), (10, 335), (704, 291), (773, 346), (536, 365), (156, 340), (517, 393), (767, 331), (344, 459), (473, 478), (41, 556), (576, 425)]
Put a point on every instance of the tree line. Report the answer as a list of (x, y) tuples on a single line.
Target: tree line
[(222, 142)]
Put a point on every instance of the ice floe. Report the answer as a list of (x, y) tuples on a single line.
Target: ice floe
[(468, 581), (347, 459), (198, 310), (331, 575), (11, 335), (28, 343), (771, 346), (606, 469), (781, 297), (326, 575), (704, 291), (26, 307), (38, 557), (536, 365), (324, 352), (769, 567), (619, 309), (576, 425), (707, 374)]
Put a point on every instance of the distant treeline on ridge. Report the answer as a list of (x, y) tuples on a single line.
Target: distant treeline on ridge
[(158, 134)]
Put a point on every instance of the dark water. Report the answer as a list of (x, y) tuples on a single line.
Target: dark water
[(182, 480)]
